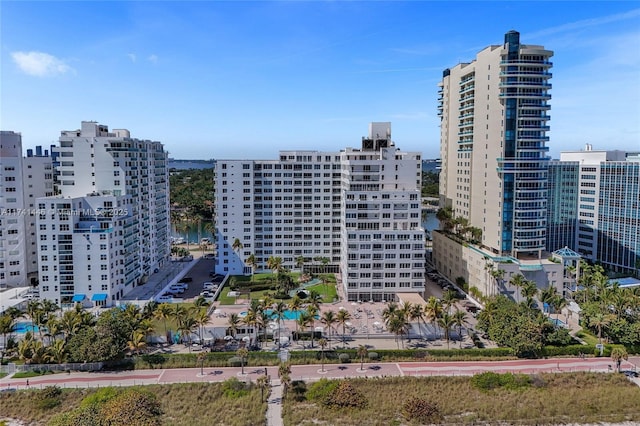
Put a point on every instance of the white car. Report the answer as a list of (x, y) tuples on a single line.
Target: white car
[(206, 294), (208, 285), (176, 289), (164, 298)]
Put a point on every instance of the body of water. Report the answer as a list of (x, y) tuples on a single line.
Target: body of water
[(431, 222), (186, 165), (194, 235), (23, 327)]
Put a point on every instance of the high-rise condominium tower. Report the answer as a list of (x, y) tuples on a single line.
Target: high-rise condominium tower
[(22, 181), (495, 115), (356, 211), (108, 230)]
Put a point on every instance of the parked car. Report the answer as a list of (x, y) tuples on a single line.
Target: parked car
[(176, 289), (183, 286), (206, 294), (208, 285), (209, 256), (165, 298)]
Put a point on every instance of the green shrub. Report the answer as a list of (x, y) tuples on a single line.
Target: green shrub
[(344, 358), (345, 396), (421, 410), (47, 398), (298, 390), (374, 356), (234, 388), (321, 389), (100, 396), (490, 380), (235, 361)]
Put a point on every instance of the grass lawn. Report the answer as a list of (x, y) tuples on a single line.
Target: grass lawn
[(3, 375), (550, 399), (190, 404), (327, 291), (587, 337)]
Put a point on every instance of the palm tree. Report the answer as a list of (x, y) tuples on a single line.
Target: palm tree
[(242, 353), (449, 297), (275, 264), (618, 354), (252, 262), (547, 296), (7, 326), (599, 321), (529, 291), (57, 352), (517, 281), (294, 306), (398, 325), (202, 319), (460, 320), (263, 321), (237, 245), (312, 311), (263, 383), (323, 344), (343, 317), (362, 352), (137, 343), (389, 311), (251, 319), (285, 381), (300, 263), (186, 327), (417, 313), (446, 321), (329, 319), (233, 322), (432, 311), (303, 321), (163, 312), (279, 311)]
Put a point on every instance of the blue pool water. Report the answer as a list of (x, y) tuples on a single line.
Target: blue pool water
[(558, 322), (23, 327), (288, 315)]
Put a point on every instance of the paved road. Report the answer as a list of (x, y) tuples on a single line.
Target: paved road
[(316, 371)]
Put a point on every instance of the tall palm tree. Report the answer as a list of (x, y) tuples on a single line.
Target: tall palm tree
[(389, 311), (7, 327), (163, 312), (547, 296), (361, 353), (446, 321), (294, 306), (600, 321), (186, 326), (251, 319), (323, 344), (237, 245), (275, 264), (232, 324), (529, 291), (329, 319), (517, 281), (303, 321), (263, 321), (202, 319), (398, 325), (312, 311), (417, 313), (460, 320), (449, 297), (252, 262), (279, 311), (242, 353), (432, 311), (343, 317)]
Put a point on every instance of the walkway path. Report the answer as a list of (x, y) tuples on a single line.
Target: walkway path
[(274, 405), (314, 372)]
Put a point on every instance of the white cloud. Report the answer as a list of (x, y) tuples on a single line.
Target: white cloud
[(153, 58), (132, 56), (40, 64)]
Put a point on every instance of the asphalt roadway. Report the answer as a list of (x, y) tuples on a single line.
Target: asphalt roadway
[(313, 372)]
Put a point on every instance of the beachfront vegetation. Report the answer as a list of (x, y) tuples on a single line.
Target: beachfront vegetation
[(539, 399), (228, 403)]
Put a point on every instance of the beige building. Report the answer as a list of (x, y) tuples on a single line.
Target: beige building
[(494, 113)]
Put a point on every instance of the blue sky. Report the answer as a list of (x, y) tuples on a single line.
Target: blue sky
[(247, 79)]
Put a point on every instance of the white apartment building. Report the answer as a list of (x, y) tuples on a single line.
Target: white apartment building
[(596, 201), (358, 208), (22, 181), (108, 229), (494, 113)]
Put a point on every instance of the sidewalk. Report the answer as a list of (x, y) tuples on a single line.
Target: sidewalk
[(274, 404)]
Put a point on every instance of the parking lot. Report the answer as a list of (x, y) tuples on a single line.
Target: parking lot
[(199, 274)]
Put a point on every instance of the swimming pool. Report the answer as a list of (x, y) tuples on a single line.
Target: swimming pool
[(558, 322), (23, 327), (287, 315)]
